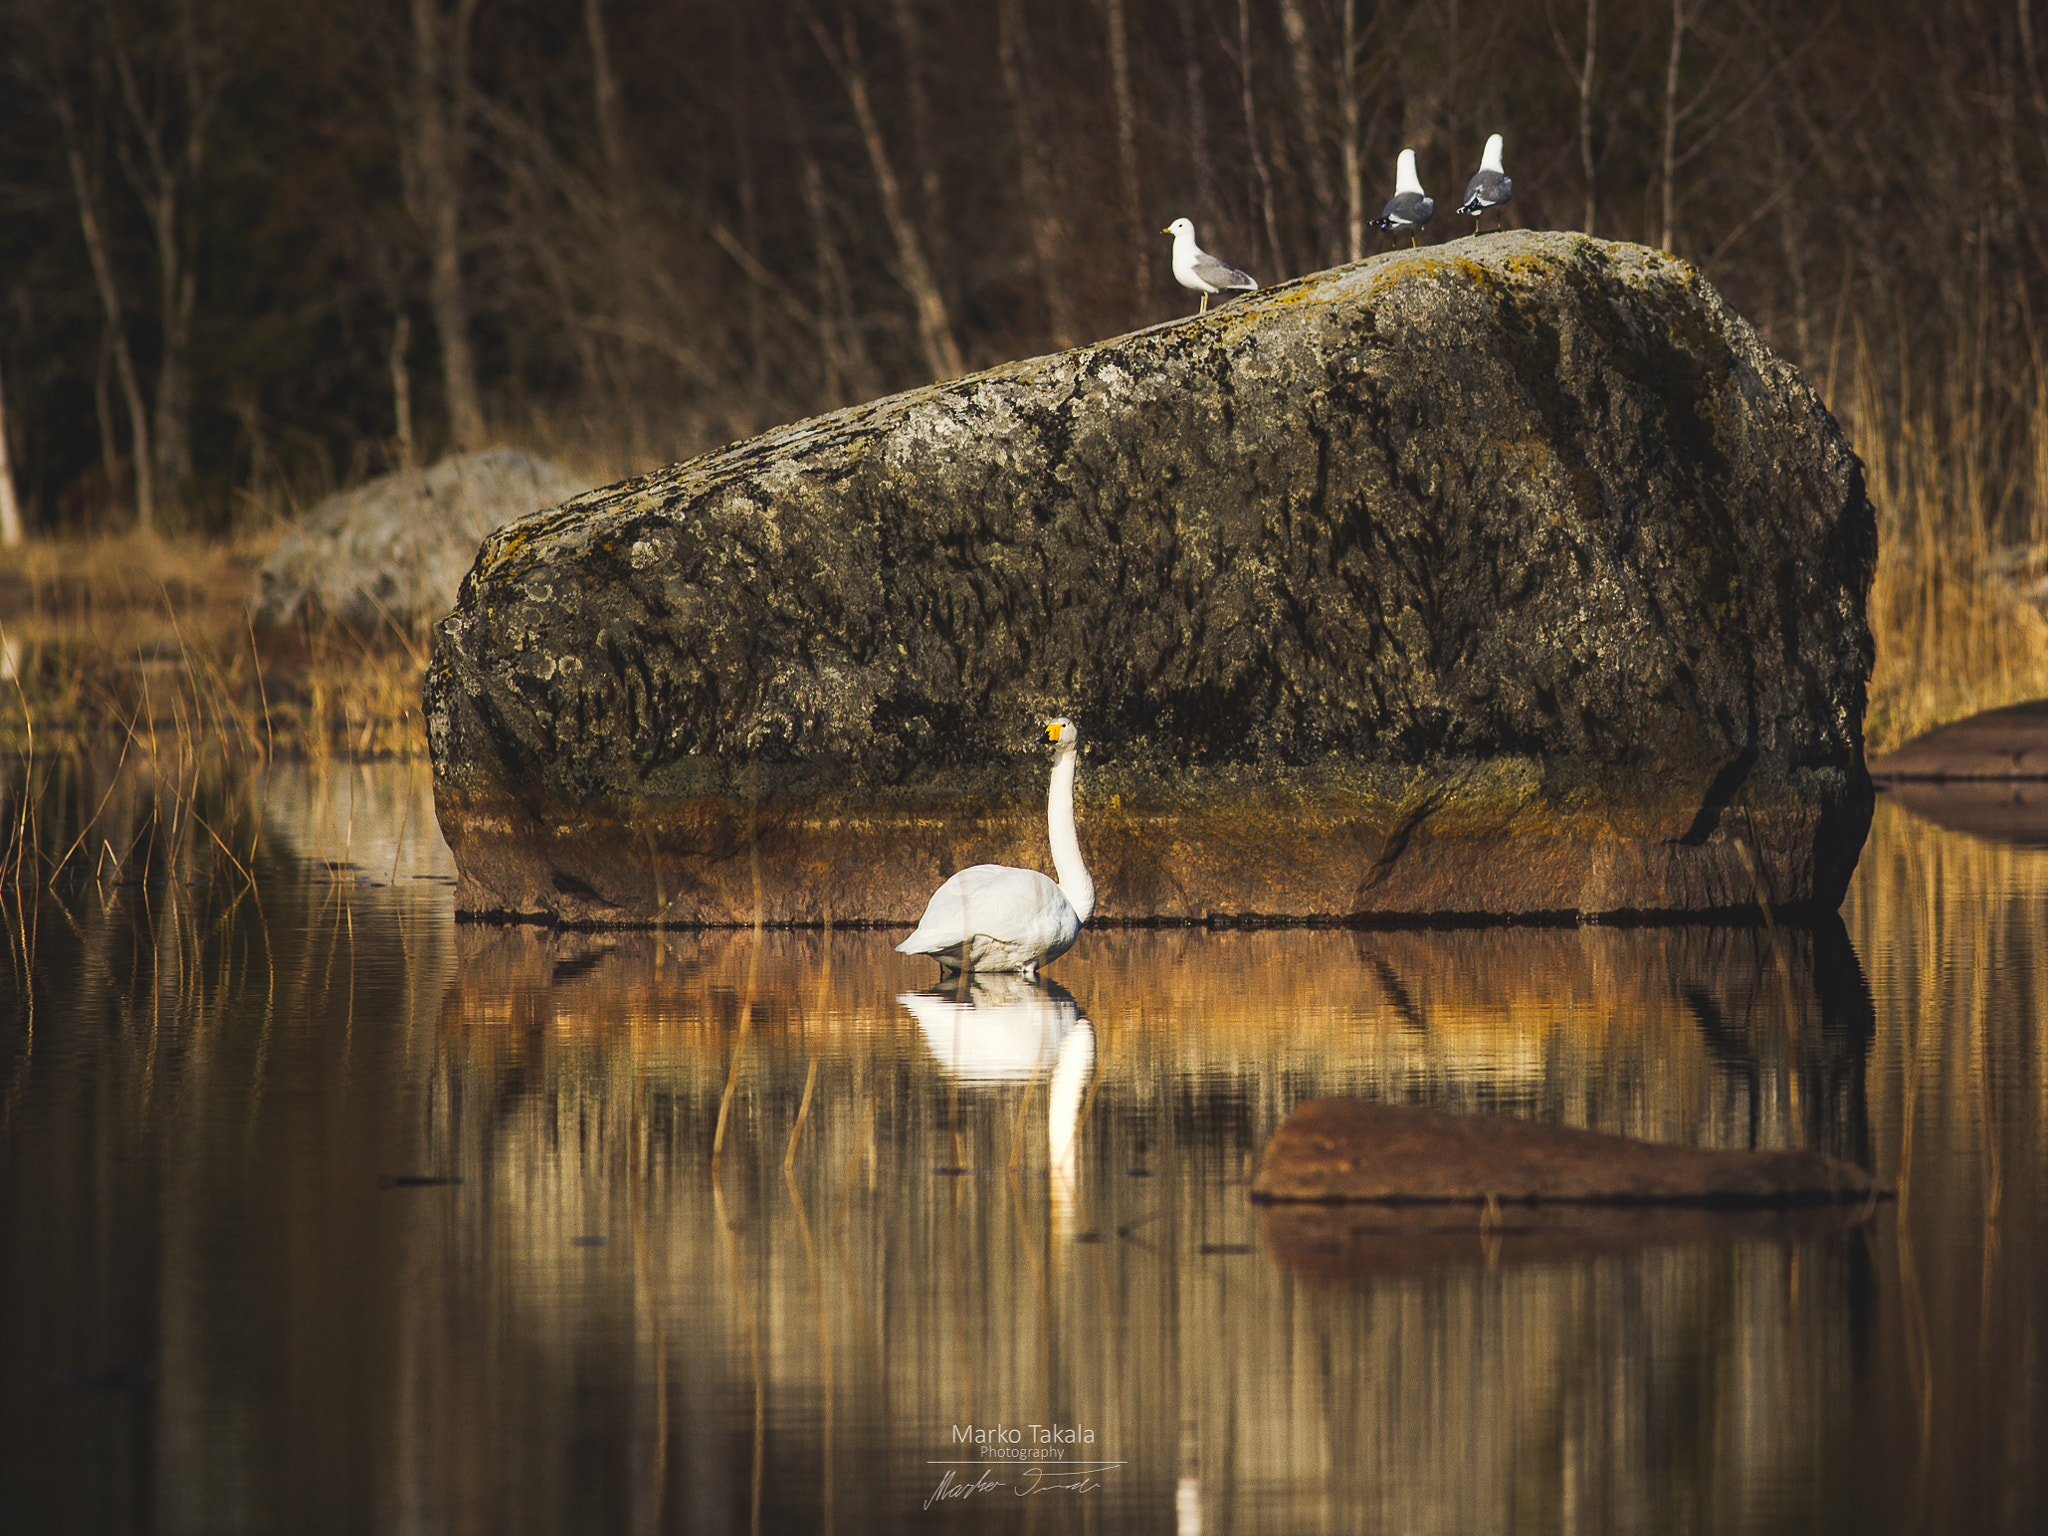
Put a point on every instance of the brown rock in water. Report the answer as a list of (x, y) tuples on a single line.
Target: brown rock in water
[(1352, 1150), (2008, 743), (1510, 577)]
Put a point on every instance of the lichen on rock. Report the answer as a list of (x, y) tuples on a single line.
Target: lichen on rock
[(1504, 577), (393, 550)]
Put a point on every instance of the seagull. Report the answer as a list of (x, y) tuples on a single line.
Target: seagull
[(1490, 188), (1195, 268), (1408, 210)]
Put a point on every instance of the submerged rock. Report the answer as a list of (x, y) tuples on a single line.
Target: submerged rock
[(1353, 1150), (1506, 577), (2008, 743), (395, 549), (1349, 1188)]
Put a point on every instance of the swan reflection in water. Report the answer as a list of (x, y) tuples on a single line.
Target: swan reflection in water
[(993, 1027)]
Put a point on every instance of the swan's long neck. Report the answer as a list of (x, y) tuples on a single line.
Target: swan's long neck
[(1066, 844)]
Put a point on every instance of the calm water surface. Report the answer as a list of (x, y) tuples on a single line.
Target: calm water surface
[(319, 1211)]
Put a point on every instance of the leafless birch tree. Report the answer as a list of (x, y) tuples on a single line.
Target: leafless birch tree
[(169, 107), (1116, 26), (11, 530), (438, 154), (1051, 240), (934, 324), (85, 189)]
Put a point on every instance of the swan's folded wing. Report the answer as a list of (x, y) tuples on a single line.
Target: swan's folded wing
[(1017, 908)]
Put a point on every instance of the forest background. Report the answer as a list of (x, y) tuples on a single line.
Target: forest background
[(255, 250)]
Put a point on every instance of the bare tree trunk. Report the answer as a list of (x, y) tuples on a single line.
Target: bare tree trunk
[(919, 99), (1354, 168), (2018, 204), (847, 372), (604, 90), (2039, 97), (1116, 25), (110, 304), (1586, 165), (1670, 179), (1049, 239), (103, 413), (1251, 134), (11, 530), (1198, 114), (934, 327), (440, 148), (1791, 244), (401, 392), (750, 232), (160, 182), (1308, 102)]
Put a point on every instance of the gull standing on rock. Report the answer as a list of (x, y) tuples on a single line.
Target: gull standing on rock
[(1490, 188), (1408, 209), (1195, 268)]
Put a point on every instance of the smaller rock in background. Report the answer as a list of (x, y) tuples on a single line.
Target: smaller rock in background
[(398, 547), (2008, 743)]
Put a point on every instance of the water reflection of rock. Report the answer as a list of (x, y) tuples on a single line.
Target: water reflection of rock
[(2011, 811), (585, 1329), (1708, 1036), (584, 1075), (1347, 1245)]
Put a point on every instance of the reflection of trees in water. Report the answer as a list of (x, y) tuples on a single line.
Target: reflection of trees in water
[(1951, 929), (922, 1254), (916, 1267), (203, 1083), (172, 807), (217, 1079)]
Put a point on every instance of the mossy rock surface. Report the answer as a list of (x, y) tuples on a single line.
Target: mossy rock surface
[(1506, 577)]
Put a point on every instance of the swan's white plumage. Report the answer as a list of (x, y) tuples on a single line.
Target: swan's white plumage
[(995, 918)]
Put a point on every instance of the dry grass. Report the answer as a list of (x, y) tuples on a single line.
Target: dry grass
[(114, 644), (1956, 609)]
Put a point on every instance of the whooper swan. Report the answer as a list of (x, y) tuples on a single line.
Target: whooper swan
[(995, 918)]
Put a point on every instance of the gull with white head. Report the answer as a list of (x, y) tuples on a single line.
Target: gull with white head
[(1489, 187), (1409, 208), (1196, 269)]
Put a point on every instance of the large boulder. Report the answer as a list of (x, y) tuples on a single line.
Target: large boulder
[(1511, 576), (394, 549)]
